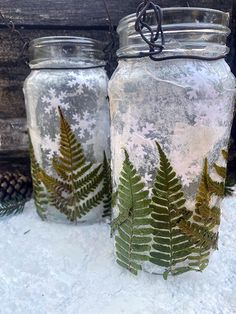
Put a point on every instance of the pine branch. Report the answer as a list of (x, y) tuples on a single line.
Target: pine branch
[(12, 207)]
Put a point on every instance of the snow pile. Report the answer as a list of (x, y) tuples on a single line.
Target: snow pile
[(48, 268)]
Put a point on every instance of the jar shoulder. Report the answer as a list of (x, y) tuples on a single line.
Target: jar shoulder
[(181, 69), (80, 76)]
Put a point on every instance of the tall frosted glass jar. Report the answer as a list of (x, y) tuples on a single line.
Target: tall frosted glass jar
[(173, 118), (68, 122)]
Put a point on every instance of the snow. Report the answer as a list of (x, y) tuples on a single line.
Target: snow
[(49, 268)]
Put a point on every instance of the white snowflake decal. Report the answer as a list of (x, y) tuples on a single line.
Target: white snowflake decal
[(84, 124), (54, 100), (148, 177), (79, 81), (51, 146), (75, 80), (140, 140), (187, 178), (198, 84), (148, 129)]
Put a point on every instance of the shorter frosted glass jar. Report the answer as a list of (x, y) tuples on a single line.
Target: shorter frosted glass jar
[(68, 122), (173, 118)]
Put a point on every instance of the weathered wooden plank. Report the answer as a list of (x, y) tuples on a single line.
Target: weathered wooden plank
[(13, 71), (17, 160), (86, 13), (11, 96), (13, 134)]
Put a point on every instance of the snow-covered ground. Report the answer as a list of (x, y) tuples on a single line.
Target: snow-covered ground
[(49, 268)]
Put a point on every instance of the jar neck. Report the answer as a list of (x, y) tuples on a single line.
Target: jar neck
[(187, 32), (65, 52)]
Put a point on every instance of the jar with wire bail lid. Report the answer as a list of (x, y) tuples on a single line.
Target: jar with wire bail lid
[(172, 103), (68, 123)]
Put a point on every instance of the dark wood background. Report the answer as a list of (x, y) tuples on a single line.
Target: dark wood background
[(36, 18)]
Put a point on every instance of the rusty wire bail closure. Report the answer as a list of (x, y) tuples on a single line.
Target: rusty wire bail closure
[(141, 24), (25, 41), (111, 46), (154, 36)]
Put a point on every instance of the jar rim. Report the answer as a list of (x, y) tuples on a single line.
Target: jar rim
[(132, 17), (65, 39), (190, 30), (66, 51)]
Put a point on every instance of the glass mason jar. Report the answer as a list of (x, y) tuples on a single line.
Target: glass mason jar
[(170, 128), (68, 122)]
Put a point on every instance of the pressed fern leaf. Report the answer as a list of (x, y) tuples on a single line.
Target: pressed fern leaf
[(78, 188), (222, 172), (171, 247), (225, 154), (107, 188), (39, 194), (133, 223), (215, 188), (204, 214), (198, 234), (205, 219)]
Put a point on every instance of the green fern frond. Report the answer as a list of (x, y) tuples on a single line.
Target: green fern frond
[(208, 216), (90, 203), (225, 155), (171, 246), (86, 187), (39, 194), (205, 219), (107, 187), (199, 235), (114, 198), (216, 188), (207, 188), (203, 196), (60, 170), (221, 171), (134, 234), (77, 189), (54, 185), (80, 174)]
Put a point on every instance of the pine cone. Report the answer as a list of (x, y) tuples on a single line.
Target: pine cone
[(15, 186)]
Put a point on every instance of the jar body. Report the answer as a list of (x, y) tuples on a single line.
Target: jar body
[(184, 105), (81, 95)]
